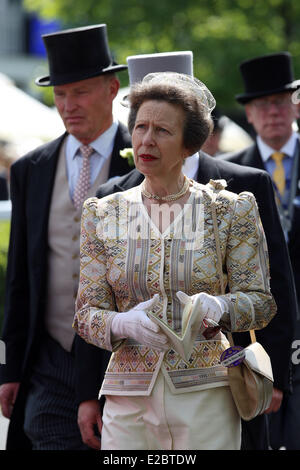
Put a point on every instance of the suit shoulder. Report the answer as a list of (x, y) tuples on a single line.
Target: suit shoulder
[(124, 133), (44, 149), (229, 156), (234, 156), (120, 183), (231, 166)]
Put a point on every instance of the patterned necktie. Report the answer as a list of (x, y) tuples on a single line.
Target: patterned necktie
[(83, 182), (279, 173)]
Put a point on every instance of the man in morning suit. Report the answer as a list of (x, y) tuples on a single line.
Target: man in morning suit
[(43, 381), (277, 336), (271, 106)]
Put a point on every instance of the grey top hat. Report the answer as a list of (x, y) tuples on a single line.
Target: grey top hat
[(140, 65), (77, 54)]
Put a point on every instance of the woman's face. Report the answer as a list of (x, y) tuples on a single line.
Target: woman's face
[(157, 139)]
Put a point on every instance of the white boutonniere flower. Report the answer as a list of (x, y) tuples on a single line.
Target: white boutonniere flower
[(128, 153)]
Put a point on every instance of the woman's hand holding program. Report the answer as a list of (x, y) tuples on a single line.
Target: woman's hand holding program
[(137, 325), (214, 308), (213, 305)]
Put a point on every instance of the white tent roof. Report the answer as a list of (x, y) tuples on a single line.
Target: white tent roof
[(233, 137), (24, 121)]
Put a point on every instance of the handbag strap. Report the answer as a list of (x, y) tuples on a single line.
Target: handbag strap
[(220, 264)]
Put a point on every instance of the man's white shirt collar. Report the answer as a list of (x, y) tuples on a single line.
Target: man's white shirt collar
[(103, 145), (190, 166), (288, 148)]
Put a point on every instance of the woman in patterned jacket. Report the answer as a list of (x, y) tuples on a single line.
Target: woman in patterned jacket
[(148, 255)]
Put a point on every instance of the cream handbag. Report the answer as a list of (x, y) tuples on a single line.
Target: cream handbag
[(251, 381)]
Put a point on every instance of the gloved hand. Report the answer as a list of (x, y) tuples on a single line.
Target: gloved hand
[(137, 325), (213, 305)]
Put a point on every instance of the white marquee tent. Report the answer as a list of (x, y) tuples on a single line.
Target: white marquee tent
[(24, 121)]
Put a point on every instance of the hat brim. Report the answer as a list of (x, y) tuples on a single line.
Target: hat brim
[(244, 98), (71, 78)]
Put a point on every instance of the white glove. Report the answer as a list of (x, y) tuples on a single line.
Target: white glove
[(213, 305), (137, 325)]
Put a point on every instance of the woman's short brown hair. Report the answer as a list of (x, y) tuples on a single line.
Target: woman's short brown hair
[(198, 123)]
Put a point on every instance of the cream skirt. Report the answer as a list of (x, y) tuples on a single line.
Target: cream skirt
[(202, 420)]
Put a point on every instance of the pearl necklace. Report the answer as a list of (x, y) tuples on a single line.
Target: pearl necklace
[(170, 197)]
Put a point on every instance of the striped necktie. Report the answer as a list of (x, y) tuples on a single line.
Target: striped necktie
[(83, 182), (279, 173)]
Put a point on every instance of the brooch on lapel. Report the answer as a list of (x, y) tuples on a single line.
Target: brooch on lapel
[(217, 184)]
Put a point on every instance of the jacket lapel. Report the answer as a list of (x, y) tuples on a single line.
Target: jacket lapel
[(207, 169), (251, 157), (119, 166), (40, 183)]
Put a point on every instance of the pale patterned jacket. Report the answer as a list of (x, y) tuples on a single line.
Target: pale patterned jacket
[(126, 260)]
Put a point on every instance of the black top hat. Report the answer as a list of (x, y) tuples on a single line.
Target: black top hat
[(77, 54), (267, 75)]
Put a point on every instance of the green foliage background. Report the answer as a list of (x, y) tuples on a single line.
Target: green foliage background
[(4, 238), (221, 33)]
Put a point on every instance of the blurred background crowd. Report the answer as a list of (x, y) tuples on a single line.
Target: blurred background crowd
[(221, 34)]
